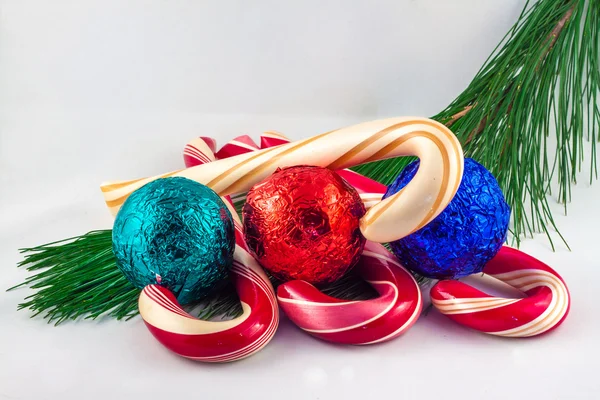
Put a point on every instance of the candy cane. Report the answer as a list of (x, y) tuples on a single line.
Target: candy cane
[(357, 322), (423, 198), (352, 322), (216, 341), (199, 151), (545, 307), (233, 147)]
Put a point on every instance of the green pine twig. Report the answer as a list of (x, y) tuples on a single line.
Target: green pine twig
[(77, 277), (542, 79)]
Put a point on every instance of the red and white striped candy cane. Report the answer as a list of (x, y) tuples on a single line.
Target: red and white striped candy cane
[(349, 322), (199, 151), (545, 307), (203, 149), (211, 341), (358, 322)]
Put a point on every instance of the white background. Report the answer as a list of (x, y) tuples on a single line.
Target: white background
[(106, 89)]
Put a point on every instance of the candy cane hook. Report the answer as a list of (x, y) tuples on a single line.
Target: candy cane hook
[(545, 307), (357, 322), (349, 322), (422, 199), (221, 341)]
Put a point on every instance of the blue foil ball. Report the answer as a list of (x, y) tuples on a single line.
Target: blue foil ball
[(465, 236), (176, 233)]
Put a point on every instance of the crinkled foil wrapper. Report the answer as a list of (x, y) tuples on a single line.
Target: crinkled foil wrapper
[(176, 233), (303, 223), (465, 236)]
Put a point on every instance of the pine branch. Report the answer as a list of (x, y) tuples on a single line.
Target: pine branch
[(458, 115), (79, 278), (544, 76), (553, 37)]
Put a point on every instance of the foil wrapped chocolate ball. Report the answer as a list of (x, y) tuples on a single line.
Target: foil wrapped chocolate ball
[(465, 236), (176, 233), (303, 223)]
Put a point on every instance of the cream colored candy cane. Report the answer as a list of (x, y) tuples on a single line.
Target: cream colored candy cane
[(432, 188)]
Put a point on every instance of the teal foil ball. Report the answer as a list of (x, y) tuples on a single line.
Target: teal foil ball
[(465, 236), (176, 233)]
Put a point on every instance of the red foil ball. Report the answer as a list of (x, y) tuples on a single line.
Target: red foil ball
[(303, 223)]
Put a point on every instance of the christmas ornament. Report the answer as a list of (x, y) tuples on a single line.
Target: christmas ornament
[(545, 307), (465, 236), (216, 341), (303, 223), (422, 200), (176, 233)]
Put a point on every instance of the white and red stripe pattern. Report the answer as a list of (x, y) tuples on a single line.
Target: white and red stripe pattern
[(221, 341), (199, 151), (353, 322), (545, 307), (272, 139), (358, 322), (240, 145)]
